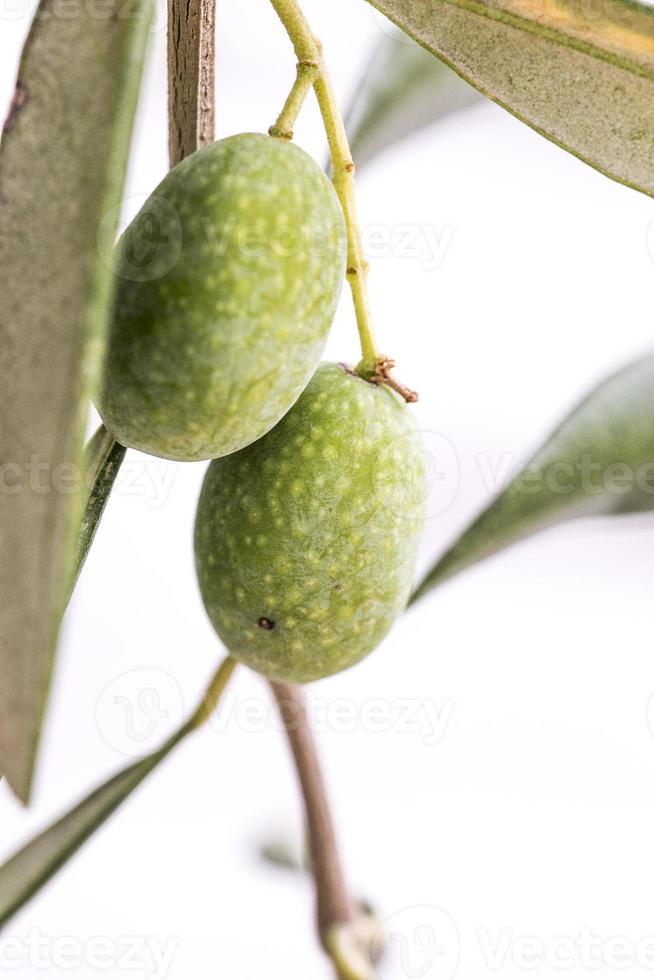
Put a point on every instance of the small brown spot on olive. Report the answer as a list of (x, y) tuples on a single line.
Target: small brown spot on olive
[(266, 624), (338, 587)]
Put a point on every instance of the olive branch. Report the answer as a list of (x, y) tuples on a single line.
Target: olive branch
[(48, 121)]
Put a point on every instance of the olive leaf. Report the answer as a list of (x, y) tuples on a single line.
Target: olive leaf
[(600, 460), (33, 866), (580, 74), (62, 164), (403, 89), (103, 459)]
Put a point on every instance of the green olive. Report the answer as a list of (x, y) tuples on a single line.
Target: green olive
[(306, 540), (229, 278)]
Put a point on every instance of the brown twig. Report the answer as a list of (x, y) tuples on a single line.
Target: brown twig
[(345, 930), (334, 905), (191, 76)]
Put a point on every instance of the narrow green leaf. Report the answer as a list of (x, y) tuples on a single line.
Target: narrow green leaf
[(29, 869), (62, 163), (581, 74), (24, 874), (600, 460), (402, 89), (103, 459)]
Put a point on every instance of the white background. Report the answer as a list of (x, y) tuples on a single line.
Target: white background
[(532, 816)]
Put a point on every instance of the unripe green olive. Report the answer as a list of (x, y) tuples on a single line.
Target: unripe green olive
[(306, 540), (229, 278)]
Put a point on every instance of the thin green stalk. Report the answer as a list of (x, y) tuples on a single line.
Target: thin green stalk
[(212, 695), (304, 80), (308, 49), (348, 959)]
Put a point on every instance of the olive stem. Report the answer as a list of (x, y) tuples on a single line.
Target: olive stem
[(338, 918), (308, 49), (382, 376), (212, 695), (282, 128), (350, 962)]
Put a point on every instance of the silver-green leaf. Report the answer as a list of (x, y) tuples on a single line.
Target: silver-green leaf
[(581, 74), (600, 460), (29, 869), (33, 866), (403, 89), (62, 164)]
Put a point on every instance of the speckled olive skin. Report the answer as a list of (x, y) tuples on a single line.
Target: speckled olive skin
[(229, 279), (305, 541)]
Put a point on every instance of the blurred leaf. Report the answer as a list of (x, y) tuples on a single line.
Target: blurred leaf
[(62, 163), (600, 460), (580, 74), (103, 459), (403, 89), (28, 870), (282, 854)]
